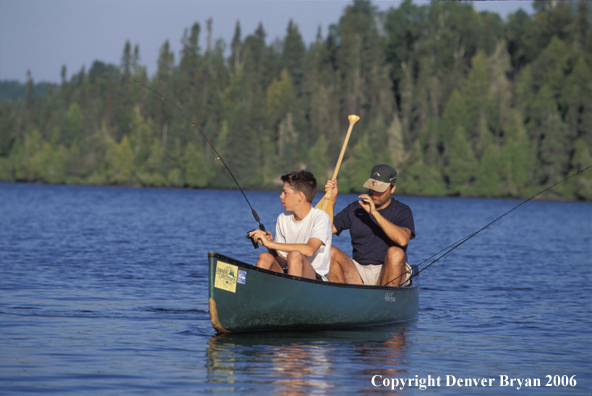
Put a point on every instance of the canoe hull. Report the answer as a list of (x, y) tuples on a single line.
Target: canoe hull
[(244, 298)]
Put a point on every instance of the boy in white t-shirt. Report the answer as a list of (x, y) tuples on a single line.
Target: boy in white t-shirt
[(303, 234)]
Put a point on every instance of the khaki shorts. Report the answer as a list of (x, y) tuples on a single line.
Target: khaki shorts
[(371, 272)]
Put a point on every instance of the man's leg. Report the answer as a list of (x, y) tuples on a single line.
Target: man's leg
[(298, 265), (342, 269), (267, 261), (392, 273)]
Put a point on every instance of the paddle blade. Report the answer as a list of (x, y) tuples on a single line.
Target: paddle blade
[(325, 204)]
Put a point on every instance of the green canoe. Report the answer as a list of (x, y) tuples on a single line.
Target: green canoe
[(244, 298)]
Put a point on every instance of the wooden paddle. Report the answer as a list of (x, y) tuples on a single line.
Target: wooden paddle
[(325, 202)]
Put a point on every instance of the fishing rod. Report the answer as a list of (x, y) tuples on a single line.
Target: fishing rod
[(186, 118), (461, 241)]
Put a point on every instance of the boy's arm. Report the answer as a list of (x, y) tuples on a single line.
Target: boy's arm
[(308, 249), (266, 239)]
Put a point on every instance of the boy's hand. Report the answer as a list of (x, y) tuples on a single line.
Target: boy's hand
[(261, 237)]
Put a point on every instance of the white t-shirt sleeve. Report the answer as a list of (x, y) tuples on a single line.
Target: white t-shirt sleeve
[(321, 228), (280, 233)]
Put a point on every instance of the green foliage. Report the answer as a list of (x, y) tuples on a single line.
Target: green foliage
[(197, 171), (12, 90), (121, 162), (318, 162), (516, 158), (420, 179), (582, 159), (475, 92), (461, 163), (489, 179), (293, 56), (460, 102), (355, 172), (279, 98), (73, 125)]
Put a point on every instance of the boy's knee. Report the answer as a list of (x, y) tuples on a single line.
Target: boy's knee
[(295, 255), (333, 252), (265, 259), (263, 256)]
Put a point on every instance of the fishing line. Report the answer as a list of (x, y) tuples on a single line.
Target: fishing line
[(461, 241), (186, 118)]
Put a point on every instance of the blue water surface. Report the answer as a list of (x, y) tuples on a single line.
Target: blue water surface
[(103, 290)]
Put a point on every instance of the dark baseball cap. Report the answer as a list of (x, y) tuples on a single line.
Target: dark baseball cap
[(381, 178)]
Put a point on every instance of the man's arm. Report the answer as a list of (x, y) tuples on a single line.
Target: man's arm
[(399, 235)]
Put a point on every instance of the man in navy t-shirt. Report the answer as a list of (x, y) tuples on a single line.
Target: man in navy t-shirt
[(380, 228)]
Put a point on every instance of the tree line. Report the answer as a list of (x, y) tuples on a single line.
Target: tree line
[(461, 103)]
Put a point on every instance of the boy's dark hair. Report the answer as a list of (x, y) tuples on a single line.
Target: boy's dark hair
[(304, 181)]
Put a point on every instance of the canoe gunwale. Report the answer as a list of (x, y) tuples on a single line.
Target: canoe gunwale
[(230, 260)]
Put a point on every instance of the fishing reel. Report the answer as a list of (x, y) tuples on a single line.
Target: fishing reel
[(255, 243)]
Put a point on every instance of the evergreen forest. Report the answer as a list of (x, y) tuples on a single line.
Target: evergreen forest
[(461, 103)]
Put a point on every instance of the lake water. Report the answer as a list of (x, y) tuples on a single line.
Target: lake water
[(103, 291)]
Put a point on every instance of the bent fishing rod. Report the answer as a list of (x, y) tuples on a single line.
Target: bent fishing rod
[(186, 118), (461, 241)]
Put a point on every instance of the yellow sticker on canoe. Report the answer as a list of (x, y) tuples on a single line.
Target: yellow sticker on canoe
[(226, 276)]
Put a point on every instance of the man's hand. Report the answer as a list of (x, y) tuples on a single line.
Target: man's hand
[(332, 186), (367, 203)]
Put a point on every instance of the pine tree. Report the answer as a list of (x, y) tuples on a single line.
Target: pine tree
[(499, 103), (515, 31), (237, 56), (575, 100), (402, 34), (552, 135), (293, 57), (461, 163), (121, 159), (475, 93), (73, 125), (166, 64), (189, 66), (455, 115), (488, 180), (197, 172), (552, 19), (516, 157), (279, 98), (127, 62)]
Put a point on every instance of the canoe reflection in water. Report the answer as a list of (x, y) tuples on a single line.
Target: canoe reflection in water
[(299, 363)]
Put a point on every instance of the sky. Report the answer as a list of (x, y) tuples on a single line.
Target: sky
[(41, 36)]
